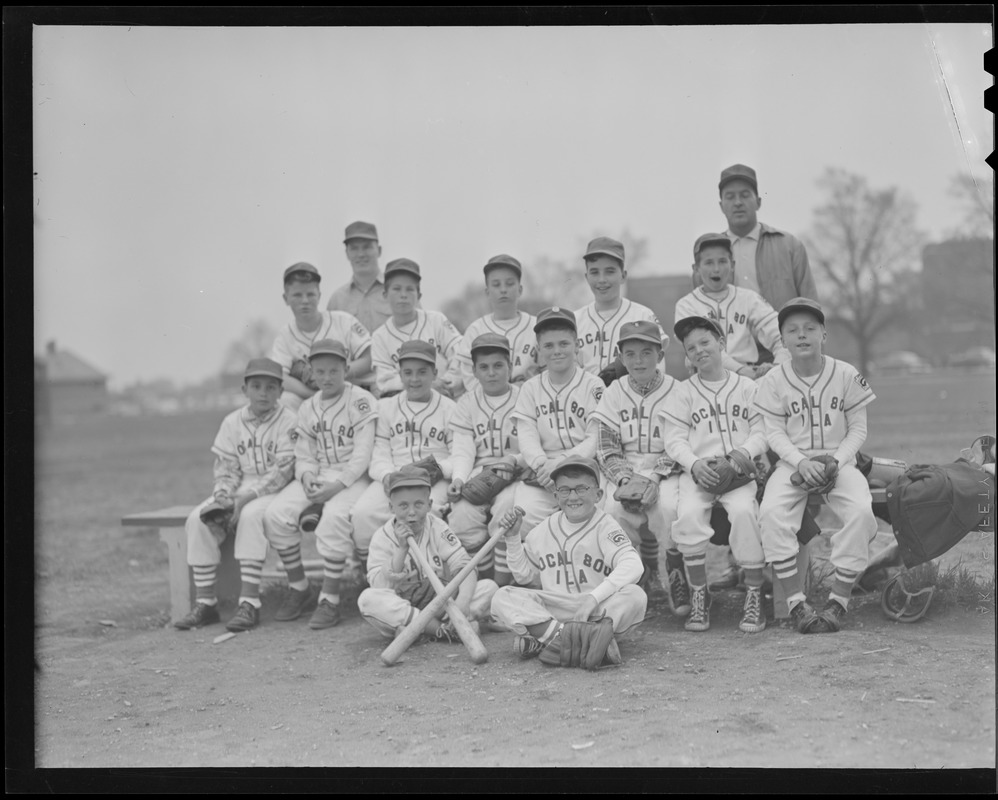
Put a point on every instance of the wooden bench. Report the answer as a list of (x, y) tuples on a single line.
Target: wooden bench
[(169, 524)]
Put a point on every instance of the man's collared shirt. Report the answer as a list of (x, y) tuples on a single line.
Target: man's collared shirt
[(743, 251)]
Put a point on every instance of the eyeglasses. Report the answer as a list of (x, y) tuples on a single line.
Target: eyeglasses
[(564, 492)]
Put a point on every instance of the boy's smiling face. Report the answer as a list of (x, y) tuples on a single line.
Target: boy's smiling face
[(262, 393), (703, 349), (578, 493), (640, 358), (803, 335), (715, 267), (417, 378), (557, 349), (605, 275)]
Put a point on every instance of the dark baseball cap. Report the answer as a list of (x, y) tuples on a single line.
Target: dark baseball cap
[(302, 271), (409, 476), (581, 463), (644, 330), (803, 305), (491, 341), (605, 246), (328, 347), (555, 315), (360, 230), (711, 239), (738, 172), (416, 348), (687, 324), (402, 265), (263, 368), (503, 260)]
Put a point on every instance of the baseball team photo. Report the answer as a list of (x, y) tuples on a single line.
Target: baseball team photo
[(514, 395)]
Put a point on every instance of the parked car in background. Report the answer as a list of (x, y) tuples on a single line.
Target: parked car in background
[(980, 357), (901, 362)]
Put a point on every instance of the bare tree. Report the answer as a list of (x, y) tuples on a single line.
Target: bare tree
[(255, 342), (976, 197), (863, 245)]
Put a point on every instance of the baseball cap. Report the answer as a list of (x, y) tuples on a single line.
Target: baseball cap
[(605, 246), (360, 230), (408, 476), (717, 239), (415, 348), (311, 274), (402, 265), (503, 260), (263, 367), (328, 347), (801, 304), (643, 329), (490, 341), (549, 316), (738, 172), (582, 463), (687, 324)]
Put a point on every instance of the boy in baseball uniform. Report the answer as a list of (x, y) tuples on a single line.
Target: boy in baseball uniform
[(553, 417), (711, 415), (484, 436), (814, 406), (630, 443), (412, 426), (407, 323), (587, 568), (503, 288), (391, 565), (335, 441), (254, 458), (310, 324), (598, 323)]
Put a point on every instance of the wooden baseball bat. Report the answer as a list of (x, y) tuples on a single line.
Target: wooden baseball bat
[(476, 649), (412, 631)]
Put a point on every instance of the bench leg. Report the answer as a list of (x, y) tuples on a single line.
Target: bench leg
[(175, 540), (780, 609)]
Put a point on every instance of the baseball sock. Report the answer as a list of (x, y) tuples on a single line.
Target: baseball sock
[(543, 631), (293, 566), (204, 584), (753, 577), (485, 565), (790, 579), (332, 573), (250, 572), (842, 586), (696, 568), (648, 547)]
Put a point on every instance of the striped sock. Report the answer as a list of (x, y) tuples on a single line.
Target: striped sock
[(753, 576), (250, 572), (332, 573), (648, 547), (696, 568), (499, 558), (293, 566), (204, 584), (790, 580), (362, 558), (842, 586), (485, 565)]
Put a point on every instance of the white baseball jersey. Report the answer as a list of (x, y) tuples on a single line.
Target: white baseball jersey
[(429, 326), (744, 316), (519, 332), (438, 544), (813, 410), (248, 446), (711, 418), (484, 429), (598, 331), (558, 417), (636, 418), (408, 431), (291, 343), (327, 433)]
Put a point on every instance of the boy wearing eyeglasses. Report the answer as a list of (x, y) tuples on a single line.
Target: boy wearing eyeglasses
[(585, 562)]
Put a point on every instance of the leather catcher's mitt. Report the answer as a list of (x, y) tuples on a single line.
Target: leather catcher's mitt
[(482, 489), (217, 517), (612, 371), (432, 467), (735, 469), (418, 591), (831, 474), (300, 370), (637, 494), (308, 520), (580, 644)]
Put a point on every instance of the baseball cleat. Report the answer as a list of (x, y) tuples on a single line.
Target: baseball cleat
[(296, 602), (699, 619), (445, 633), (326, 615), (830, 618), (201, 614), (804, 618), (246, 618), (679, 593), (527, 647), (753, 618)]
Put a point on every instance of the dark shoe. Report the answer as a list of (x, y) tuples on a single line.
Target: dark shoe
[(753, 618), (805, 619), (699, 619), (326, 615), (246, 618), (202, 614), (527, 647), (295, 604), (679, 593), (831, 617), (551, 651)]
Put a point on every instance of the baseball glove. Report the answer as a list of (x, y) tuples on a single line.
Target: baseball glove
[(300, 370), (482, 489), (612, 371), (579, 644), (432, 467), (418, 591), (637, 494), (735, 469), (217, 517), (831, 473), (308, 520)]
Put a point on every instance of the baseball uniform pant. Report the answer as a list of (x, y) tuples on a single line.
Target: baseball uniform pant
[(692, 530), (474, 524), (783, 508), (660, 517), (372, 509), (386, 611), (517, 608), (334, 535), (204, 545)]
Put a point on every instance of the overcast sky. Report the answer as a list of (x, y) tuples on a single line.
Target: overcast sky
[(180, 170)]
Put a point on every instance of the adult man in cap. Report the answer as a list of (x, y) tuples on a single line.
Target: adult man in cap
[(364, 295)]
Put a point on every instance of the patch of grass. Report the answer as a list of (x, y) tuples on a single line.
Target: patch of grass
[(956, 586)]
